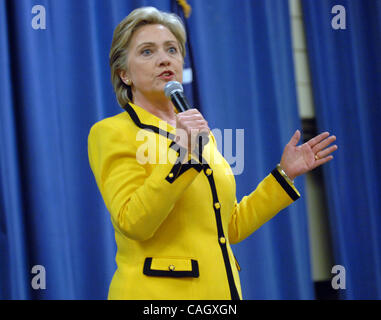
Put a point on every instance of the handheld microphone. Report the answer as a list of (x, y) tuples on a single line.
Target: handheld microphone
[(174, 90)]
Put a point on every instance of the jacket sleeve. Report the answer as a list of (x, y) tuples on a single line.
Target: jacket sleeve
[(138, 200), (272, 195)]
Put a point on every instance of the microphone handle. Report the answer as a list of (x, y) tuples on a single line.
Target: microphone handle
[(181, 103)]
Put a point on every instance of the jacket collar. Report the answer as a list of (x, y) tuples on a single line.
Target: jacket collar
[(146, 120)]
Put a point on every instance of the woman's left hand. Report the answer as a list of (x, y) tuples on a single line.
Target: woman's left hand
[(297, 160)]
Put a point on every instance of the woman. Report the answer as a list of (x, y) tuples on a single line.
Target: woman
[(174, 220)]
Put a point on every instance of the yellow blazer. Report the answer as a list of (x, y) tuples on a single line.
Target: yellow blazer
[(174, 223)]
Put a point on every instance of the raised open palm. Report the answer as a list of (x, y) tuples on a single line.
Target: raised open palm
[(297, 160)]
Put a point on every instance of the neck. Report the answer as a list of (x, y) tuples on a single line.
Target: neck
[(159, 105)]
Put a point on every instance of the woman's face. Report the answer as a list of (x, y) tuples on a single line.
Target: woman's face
[(154, 58)]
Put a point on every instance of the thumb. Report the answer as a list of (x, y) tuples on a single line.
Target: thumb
[(295, 138)]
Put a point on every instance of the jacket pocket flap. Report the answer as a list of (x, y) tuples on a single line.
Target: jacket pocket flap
[(171, 267)]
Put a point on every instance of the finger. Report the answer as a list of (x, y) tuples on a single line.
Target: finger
[(197, 130), (322, 154), (191, 123), (295, 138), (322, 161), (191, 117), (190, 112), (204, 129), (314, 141), (195, 124), (323, 144)]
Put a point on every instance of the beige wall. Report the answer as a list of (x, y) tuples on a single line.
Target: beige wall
[(320, 244)]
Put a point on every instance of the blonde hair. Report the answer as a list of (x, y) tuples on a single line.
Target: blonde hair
[(122, 37)]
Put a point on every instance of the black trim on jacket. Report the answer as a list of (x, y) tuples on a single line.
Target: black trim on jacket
[(147, 270), (141, 125), (282, 181), (220, 234)]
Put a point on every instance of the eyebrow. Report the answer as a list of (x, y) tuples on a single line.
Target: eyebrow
[(153, 43)]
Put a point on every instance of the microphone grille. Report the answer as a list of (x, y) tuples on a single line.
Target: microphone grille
[(171, 87)]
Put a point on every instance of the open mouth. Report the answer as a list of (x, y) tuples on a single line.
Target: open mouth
[(166, 74)]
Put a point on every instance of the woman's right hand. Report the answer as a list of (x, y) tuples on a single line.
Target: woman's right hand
[(189, 124)]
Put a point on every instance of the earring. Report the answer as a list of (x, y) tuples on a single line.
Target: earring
[(129, 82)]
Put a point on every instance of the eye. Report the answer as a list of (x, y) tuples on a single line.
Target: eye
[(146, 52), (172, 50)]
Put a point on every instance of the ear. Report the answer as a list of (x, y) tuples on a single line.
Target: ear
[(124, 77)]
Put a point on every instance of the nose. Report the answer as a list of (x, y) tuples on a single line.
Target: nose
[(163, 59)]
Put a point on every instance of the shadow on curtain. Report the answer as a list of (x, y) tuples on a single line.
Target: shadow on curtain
[(56, 84), (346, 76)]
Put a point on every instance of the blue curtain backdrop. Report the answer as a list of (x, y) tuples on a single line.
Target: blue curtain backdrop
[(346, 76), (55, 84)]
